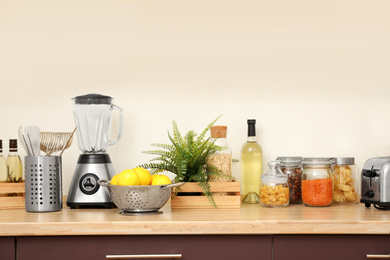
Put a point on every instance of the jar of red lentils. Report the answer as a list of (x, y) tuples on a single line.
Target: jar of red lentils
[(317, 183)]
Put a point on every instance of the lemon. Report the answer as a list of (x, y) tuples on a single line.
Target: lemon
[(114, 180), (160, 179), (144, 176), (128, 177), (153, 176)]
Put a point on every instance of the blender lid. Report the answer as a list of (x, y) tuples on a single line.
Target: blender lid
[(93, 99)]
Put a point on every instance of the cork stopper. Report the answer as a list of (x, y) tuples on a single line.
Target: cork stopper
[(218, 131), (13, 145)]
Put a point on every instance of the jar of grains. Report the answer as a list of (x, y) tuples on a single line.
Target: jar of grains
[(292, 166), (317, 183), (346, 188), (222, 157), (274, 190)]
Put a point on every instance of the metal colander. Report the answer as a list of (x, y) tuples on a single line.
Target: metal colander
[(139, 199)]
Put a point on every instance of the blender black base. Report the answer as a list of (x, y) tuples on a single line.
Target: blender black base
[(75, 205)]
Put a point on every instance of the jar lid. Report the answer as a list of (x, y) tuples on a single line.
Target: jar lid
[(317, 161), (93, 99), (289, 160), (274, 175), (344, 160), (218, 131)]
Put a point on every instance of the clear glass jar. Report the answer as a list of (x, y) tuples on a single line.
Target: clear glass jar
[(274, 192), (317, 182), (346, 187), (222, 158), (292, 166)]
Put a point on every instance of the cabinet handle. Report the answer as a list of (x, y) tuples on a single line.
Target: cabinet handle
[(378, 256), (143, 256)]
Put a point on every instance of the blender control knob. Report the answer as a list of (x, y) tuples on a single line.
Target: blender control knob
[(88, 184), (370, 194)]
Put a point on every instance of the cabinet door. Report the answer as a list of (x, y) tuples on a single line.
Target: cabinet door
[(194, 247), (7, 248), (325, 247)]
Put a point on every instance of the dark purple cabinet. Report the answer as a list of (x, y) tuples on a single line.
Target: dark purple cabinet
[(325, 247), (192, 247), (7, 248)]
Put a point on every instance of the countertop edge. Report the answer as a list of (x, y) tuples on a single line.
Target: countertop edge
[(193, 228)]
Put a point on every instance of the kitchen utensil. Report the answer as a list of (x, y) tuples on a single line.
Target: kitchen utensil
[(69, 142), (43, 179), (93, 116), (376, 183), (33, 136), (139, 199), (52, 142), (22, 140)]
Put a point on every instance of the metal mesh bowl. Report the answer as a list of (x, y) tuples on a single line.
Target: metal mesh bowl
[(133, 200)]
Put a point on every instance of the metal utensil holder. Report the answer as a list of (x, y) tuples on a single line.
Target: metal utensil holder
[(43, 183)]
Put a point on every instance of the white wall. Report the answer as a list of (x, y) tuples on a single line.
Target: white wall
[(315, 74)]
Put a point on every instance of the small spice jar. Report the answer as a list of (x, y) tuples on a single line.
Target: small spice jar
[(317, 183), (292, 166), (346, 188), (222, 158), (274, 192)]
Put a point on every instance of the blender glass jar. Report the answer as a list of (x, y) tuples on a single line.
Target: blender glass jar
[(317, 183), (346, 188), (92, 114), (274, 192)]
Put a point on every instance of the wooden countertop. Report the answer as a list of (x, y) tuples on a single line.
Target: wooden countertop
[(250, 219)]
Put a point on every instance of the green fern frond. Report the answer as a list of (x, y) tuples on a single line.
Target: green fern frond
[(159, 152), (207, 191), (160, 166), (189, 138), (177, 135), (168, 147), (203, 134)]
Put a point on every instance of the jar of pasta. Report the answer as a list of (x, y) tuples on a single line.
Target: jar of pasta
[(292, 166), (346, 188), (274, 191), (317, 182)]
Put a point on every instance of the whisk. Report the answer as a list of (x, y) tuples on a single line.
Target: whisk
[(54, 142)]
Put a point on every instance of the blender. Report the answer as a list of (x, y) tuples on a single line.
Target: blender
[(93, 117)]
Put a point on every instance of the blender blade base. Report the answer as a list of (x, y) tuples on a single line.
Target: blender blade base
[(84, 189)]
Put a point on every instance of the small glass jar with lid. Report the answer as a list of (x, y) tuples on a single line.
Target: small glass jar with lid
[(222, 157), (292, 166), (346, 187), (317, 182), (274, 192)]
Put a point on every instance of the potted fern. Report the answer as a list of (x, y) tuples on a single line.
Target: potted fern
[(186, 157)]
